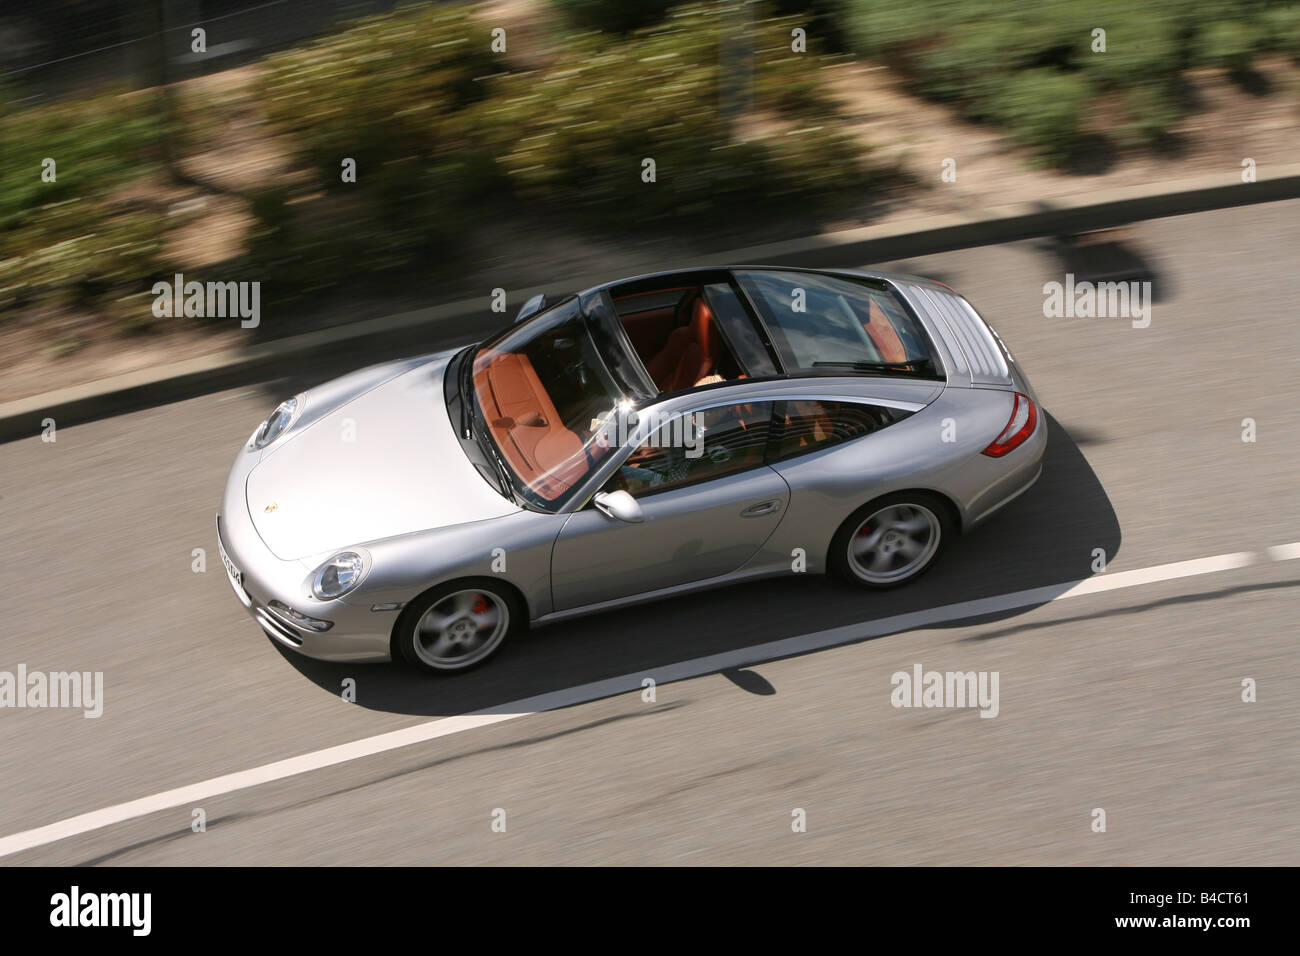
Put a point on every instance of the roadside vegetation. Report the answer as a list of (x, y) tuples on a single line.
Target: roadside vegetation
[(71, 235), (446, 133), (444, 130), (1031, 68)]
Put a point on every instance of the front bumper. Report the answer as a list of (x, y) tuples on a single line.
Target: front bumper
[(258, 577)]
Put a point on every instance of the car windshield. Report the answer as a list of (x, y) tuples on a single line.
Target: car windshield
[(542, 395), (830, 324)]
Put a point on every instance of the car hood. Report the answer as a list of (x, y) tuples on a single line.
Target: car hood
[(381, 463)]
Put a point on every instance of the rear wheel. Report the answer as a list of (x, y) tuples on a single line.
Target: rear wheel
[(457, 626), (892, 540)]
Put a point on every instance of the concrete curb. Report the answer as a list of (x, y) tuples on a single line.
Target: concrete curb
[(409, 331)]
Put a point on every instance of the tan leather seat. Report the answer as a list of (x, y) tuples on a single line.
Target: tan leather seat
[(883, 335), (526, 426), (691, 352)]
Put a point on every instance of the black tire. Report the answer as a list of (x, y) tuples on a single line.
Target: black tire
[(935, 527), (431, 646)]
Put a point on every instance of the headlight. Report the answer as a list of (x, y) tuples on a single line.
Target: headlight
[(337, 576), (278, 421)]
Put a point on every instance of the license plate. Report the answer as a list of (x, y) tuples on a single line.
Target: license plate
[(234, 572)]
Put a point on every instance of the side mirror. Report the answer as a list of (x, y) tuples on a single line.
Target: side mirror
[(619, 505), (531, 307)]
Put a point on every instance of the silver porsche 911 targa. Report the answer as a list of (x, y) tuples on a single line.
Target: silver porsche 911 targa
[(637, 440)]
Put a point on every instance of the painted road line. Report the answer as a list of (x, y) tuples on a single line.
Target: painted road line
[(596, 690), (1284, 552)]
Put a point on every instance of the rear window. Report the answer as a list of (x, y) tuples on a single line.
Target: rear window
[(835, 325)]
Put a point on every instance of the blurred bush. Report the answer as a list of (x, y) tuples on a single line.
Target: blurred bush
[(80, 241), (1042, 109), (1150, 111), (442, 137), (439, 132), (1282, 30), (1230, 44), (575, 137), (1030, 66), (388, 87), (392, 93)]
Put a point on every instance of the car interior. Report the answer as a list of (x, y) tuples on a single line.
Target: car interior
[(539, 401), (740, 436), (737, 440), (546, 431), (527, 426), (677, 337)]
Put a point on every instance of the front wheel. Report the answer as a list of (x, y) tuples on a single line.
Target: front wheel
[(456, 626), (892, 540)]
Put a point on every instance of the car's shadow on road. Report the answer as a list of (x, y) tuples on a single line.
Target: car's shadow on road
[(1045, 538)]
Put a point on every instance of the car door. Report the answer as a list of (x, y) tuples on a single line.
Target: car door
[(709, 503)]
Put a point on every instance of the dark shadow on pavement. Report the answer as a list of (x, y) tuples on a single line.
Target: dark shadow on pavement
[(1105, 255), (750, 681)]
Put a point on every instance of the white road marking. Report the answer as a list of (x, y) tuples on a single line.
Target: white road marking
[(1284, 552), (585, 693)]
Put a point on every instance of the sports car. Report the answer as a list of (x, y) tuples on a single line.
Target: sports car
[(641, 439)]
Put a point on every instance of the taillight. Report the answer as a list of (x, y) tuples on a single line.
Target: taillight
[(1024, 419)]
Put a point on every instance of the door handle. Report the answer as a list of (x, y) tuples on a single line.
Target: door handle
[(762, 508)]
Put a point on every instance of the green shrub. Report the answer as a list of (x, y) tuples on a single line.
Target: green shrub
[(1282, 30), (99, 145), (1043, 109), (1152, 111), (75, 241), (987, 58), (964, 69), (576, 136), (409, 212), (1144, 46), (78, 253), (1229, 44), (882, 26), (392, 93), (389, 88), (976, 55)]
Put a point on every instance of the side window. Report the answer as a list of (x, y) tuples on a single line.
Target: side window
[(696, 447), (804, 425)]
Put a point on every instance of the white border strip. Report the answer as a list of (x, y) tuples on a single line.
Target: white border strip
[(584, 693)]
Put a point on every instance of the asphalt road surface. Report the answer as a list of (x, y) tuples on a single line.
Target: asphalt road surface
[(1124, 695)]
